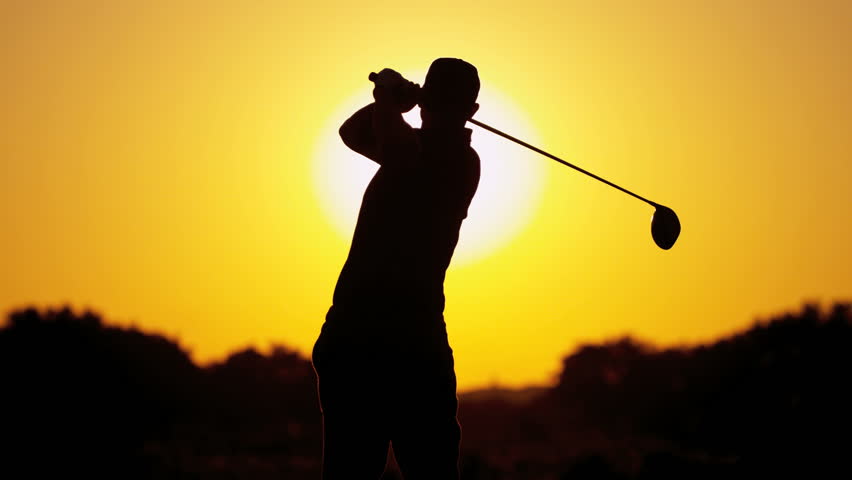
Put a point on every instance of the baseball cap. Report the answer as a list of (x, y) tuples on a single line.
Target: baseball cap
[(451, 84)]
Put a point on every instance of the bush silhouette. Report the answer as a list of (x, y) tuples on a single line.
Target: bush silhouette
[(81, 397)]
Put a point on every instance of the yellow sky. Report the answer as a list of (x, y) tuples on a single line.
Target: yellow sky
[(157, 165)]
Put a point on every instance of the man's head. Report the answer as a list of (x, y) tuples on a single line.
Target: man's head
[(448, 97)]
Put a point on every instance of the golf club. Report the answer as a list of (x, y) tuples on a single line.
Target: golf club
[(665, 226)]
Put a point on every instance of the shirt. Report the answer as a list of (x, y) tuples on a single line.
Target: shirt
[(408, 227)]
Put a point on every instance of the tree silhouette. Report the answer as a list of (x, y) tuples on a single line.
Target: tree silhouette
[(83, 398), (79, 396)]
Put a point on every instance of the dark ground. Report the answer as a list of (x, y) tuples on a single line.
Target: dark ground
[(81, 398)]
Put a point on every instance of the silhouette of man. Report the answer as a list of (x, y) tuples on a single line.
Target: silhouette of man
[(384, 365)]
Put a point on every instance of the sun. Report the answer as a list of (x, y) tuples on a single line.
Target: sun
[(510, 184)]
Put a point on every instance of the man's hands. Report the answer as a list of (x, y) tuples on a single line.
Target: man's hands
[(393, 91), (396, 141)]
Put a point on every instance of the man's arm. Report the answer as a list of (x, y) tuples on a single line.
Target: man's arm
[(357, 133), (396, 141), (378, 130)]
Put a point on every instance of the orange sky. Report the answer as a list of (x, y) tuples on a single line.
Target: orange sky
[(159, 164)]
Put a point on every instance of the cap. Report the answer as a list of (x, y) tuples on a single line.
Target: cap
[(451, 83)]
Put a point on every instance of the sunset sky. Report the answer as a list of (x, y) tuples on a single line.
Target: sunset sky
[(175, 165)]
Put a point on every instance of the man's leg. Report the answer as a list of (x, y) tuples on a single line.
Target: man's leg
[(426, 433), (353, 448), (429, 448), (355, 434)]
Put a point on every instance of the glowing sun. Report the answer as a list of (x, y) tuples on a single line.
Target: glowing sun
[(509, 187)]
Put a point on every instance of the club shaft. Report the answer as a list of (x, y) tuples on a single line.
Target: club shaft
[(554, 157)]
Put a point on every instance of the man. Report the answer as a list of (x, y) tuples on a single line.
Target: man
[(384, 365)]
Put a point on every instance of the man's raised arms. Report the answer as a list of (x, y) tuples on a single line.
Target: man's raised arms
[(378, 130)]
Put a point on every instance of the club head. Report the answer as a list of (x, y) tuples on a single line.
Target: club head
[(665, 227)]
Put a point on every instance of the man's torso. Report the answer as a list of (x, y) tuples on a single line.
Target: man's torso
[(408, 228)]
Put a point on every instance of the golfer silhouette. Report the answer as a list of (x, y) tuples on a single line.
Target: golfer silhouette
[(384, 365)]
